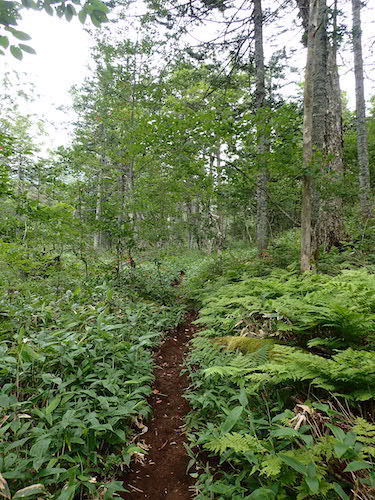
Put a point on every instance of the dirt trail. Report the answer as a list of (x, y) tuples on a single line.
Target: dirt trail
[(163, 474)]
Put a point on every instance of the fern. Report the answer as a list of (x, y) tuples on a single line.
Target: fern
[(241, 364), (365, 432), (342, 307), (235, 442), (271, 466), (350, 373)]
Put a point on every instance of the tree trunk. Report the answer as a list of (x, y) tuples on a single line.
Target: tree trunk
[(331, 226), (362, 148), (260, 95), (315, 105), (98, 211)]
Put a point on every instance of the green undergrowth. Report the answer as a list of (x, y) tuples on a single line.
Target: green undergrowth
[(283, 381), (76, 368)]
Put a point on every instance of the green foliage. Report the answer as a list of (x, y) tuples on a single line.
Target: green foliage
[(236, 442), (150, 281), (268, 342), (11, 14), (349, 373), (286, 304), (76, 371)]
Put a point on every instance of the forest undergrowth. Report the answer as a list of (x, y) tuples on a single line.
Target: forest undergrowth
[(282, 373), (76, 370), (283, 378)]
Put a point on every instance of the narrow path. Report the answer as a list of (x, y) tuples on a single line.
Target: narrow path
[(163, 474)]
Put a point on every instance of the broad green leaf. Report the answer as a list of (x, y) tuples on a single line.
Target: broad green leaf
[(338, 433), (285, 432), (48, 9), (20, 34), (69, 12), (16, 444), (262, 494), (295, 464), (39, 449), (16, 52), (27, 352), (313, 484), (340, 449), (4, 41), (53, 405), (222, 488), (95, 21), (111, 488), (67, 493), (27, 48), (98, 5), (82, 16), (30, 4), (357, 465), (232, 419)]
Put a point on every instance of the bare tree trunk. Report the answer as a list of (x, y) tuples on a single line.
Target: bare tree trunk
[(98, 211), (260, 95), (315, 105), (362, 147), (331, 226), (306, 215)]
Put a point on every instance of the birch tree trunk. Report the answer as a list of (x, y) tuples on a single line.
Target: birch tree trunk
[(362, 147), (260, 95)]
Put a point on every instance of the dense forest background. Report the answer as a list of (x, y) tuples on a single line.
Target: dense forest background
[(194, 178), (181, 146)]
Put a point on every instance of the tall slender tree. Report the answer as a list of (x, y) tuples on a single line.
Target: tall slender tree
[(314, 145), (260, 97), (331, 226), (362, 147)]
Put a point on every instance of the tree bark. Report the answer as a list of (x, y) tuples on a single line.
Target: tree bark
[(331, 226), (315, 105), (98, 211), (260, 95), (362, 147)]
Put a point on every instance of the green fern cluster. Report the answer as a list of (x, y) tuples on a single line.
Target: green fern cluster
[(349, 373), (273, 348), (240, 365), (365, 432), (236, 442), (342, 306)]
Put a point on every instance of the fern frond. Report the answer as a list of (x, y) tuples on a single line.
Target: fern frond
[(271, 466), (365, 432), (242, 364), (235, 442), (224, 371)]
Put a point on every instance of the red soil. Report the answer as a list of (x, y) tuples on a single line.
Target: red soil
[(163, 474)]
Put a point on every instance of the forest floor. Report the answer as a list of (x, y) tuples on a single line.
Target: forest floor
[(163, 473)]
